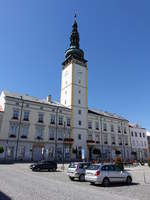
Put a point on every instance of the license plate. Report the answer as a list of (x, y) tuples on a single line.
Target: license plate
[(89, 174)]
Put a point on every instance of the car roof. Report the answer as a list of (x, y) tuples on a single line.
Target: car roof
[(80, 162)]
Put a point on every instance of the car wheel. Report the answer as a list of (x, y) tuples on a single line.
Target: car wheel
[(82, 178), (38, 169), (105, 182), (128, 180), (71, 178)]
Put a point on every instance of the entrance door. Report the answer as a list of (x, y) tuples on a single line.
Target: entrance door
[(37, 153)]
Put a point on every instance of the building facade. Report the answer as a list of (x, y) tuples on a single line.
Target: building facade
[(139, 142), (148, 140), (35, 129)]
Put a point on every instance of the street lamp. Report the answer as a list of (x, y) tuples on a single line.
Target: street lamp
[(63, 143), (57, 108), (102, 140), (18, 135)]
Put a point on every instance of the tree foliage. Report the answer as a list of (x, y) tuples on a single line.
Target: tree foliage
[(1, 149)]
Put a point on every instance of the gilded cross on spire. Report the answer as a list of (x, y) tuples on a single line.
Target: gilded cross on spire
[(75, 16)]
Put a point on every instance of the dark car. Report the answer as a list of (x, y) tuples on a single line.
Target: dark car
[(44, 165)]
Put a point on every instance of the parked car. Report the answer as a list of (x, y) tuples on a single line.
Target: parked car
[(77, 170), (44, 165), (106, 173)]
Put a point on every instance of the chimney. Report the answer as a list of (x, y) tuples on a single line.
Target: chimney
[(48, 98)]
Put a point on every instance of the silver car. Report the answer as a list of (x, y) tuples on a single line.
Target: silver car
[(77, 170), (106, 173)]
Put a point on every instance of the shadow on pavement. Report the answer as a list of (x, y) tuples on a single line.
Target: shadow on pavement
[(117, 185), (4, 196), (46, 171)]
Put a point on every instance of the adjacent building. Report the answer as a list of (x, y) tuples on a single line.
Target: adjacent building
[(139, 142), (148, 140)]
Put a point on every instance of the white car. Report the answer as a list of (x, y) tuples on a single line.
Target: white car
[(106, 173)]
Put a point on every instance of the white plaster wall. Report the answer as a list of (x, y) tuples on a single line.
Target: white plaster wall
[(66, 86)]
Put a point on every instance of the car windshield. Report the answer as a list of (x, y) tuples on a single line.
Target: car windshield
[(93, 167), (72, 165)]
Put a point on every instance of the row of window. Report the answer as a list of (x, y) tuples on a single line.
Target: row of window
[(105, 127), (41, 118), (139, 143), (136, 134), (39, 132), (113, 139)]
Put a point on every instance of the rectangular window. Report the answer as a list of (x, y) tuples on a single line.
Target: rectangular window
[(39, 132), (135, 134), (125, 131), (79, 102), (105, 139), (140, 134), (13, 129), (60, 122), (96, 125), (132, 133), (41, 118), (119, 130), (113, 140), (79, 122), (119, 140), (90, 137), (24, 131), (26, 116), (52, 119), (143, 134), (79, 136), (79, 112), (15, 114), (105, 127), (90, 125), (51, 133), (126, 140), (112, 128), (68, 121), (60, 134), (97, 138)]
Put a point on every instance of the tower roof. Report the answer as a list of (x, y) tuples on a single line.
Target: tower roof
[(74, 50)]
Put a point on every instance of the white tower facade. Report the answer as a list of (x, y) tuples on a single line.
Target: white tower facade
[(74, 92)]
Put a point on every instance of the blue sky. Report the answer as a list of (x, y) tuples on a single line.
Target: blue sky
[(114, 34)]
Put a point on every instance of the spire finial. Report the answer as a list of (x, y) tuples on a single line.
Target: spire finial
[(75, 16)]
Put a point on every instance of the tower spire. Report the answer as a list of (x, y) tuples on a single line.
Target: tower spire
[(74, 50), (74, 38)]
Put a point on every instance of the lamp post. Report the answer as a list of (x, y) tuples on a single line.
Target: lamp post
[(18, 134), (102, 140), (57, 108), (123, 143), (63, 143)]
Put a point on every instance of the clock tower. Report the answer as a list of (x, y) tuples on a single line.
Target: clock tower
[(74, 91)]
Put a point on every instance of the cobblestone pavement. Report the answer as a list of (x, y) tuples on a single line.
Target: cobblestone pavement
[(18, 182)]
